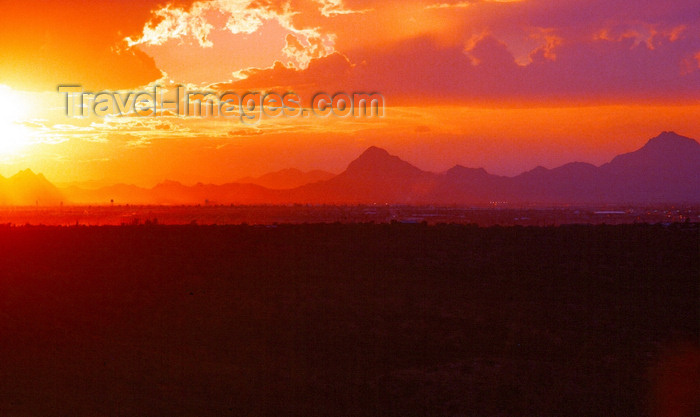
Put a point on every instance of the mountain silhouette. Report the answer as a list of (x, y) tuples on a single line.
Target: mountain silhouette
[(377, 164), (374, 177), (665, 170), (26, 188), (175, 193), (287, 178)]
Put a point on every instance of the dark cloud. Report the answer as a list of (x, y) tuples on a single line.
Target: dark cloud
[(46, 43), (419, 69)]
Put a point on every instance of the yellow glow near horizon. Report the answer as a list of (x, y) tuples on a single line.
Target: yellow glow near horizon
[(13, 109)]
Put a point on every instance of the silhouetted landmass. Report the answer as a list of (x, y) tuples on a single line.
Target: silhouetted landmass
[(665, 171), (347, 320), (496, 214), (28, 189), (287, 178)]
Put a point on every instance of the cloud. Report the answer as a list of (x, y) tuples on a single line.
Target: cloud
[(304, 50), (46, 43), (240, 17), (420, 71), (649, 35), (549, 42), (174, 23), (335, 7), (465, 4), (244, 132), (444, 50), (331, 71)]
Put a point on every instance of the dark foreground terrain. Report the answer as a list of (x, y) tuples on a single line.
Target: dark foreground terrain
[(349, 320), (380, 213)]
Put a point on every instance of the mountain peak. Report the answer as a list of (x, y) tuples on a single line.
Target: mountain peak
[(378, 162), (168, 183), (669, 134), (29, 188), (669, 140), (374, 152), (287, 178), (461, 170), (373, 157), (25, 173)]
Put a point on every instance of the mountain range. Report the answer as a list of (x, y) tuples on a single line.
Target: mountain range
[(287, 178), (27, 188), (665, 170)]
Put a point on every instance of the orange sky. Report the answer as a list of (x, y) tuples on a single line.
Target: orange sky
[(505, 85)]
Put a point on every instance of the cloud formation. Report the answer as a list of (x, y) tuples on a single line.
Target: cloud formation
[(410, 50), (239, 17), (48, 43), (420, 71)]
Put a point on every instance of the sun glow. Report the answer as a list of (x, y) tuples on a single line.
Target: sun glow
[(13, 110)]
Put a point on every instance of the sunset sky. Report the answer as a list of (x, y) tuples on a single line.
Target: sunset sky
[(502, 84)]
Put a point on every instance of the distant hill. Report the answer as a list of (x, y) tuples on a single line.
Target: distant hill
[(374, 177), (26, 188), (665, 170), (175, 193), (287, 178)]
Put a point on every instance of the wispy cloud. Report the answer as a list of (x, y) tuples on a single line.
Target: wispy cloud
[(336, 7), (465, 4), (241, 17)]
